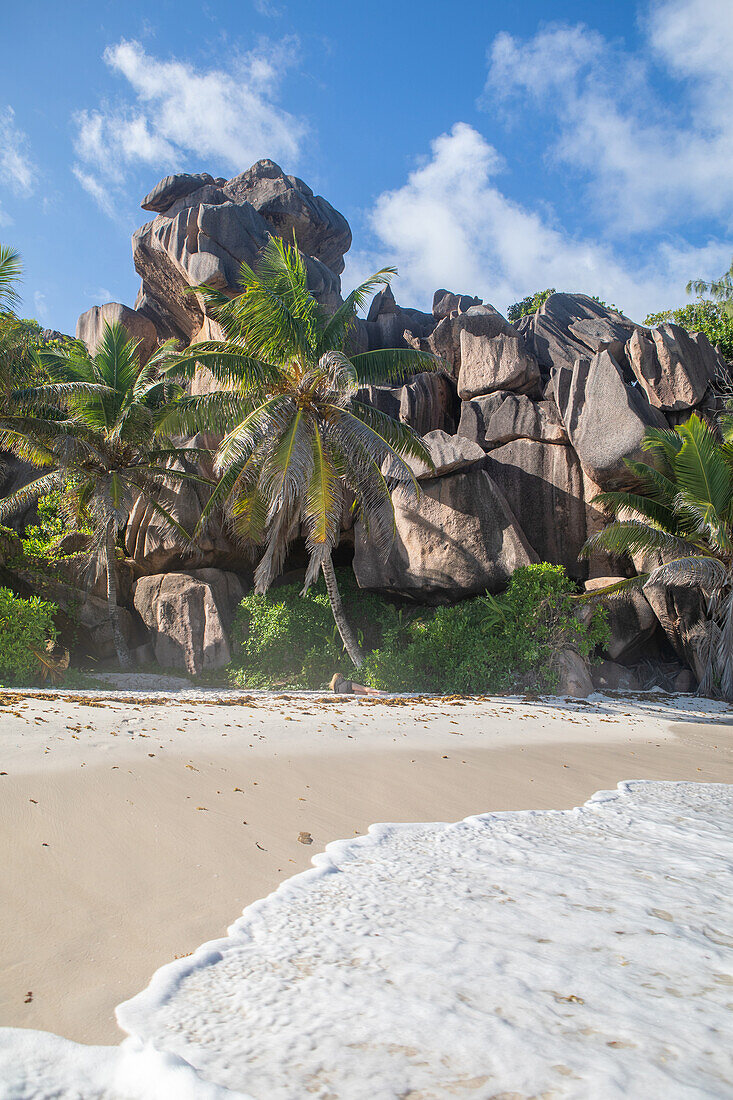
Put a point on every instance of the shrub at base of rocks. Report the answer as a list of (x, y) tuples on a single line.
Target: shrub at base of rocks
[(482, 645), (26, 626)]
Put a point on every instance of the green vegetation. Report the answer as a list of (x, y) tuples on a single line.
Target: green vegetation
[(706, 316), (297, 443), (485, 644), (26, 627), (91, 425), (679, 513), (720, 290), (530, 304)]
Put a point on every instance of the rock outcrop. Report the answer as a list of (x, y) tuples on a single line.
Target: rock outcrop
[(189, 616), (205, 228), (544, 484), (605, 419), (459, 538), (674, 368), (631, 620), (502, 417), (91, 327)]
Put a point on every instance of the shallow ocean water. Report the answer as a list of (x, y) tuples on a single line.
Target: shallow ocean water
[(582, 953)]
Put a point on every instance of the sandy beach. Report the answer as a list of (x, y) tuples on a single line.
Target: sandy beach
[(133, 829)]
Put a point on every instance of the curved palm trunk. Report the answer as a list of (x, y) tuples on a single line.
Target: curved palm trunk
[(123, 652), (345, 629)]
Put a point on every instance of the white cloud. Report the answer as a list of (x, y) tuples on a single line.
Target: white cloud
[(40, 306), (450, 226), (647, 165), (16, 166), (225, 118)]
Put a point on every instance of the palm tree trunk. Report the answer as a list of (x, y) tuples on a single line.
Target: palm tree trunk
[(123, 652), (351, 645)]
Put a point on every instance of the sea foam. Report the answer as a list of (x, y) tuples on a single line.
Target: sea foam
[(583, 953)]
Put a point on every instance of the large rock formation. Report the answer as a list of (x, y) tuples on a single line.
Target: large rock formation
[(189, 616), (91, 327), (605, 419), (674, 368), (459, 538), (205, 228), (543, 483)]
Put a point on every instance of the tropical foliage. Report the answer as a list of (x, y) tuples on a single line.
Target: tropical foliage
[(90, 427), (530, 304), (706, 316), (26, 629), (678, 513), (298, 443), (720, 290), (486, 644)]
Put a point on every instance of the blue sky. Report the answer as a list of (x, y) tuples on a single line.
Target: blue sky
[(492, 148)]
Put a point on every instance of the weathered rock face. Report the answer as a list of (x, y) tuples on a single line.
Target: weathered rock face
[(544, 483), (15, 474), (569, 326), (291, 210), (449, 453), (445, 339), (458, 539), (206, 228), (389, 325), (605, 419), (427, 402), (188, 616), (91, 325), (155, 545), (574, 677), (674, 368), (631, 620), (446, 302), (501, 417), (609, 676), (495, 363)]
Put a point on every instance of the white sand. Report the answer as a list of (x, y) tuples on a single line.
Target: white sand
[(124, 843)]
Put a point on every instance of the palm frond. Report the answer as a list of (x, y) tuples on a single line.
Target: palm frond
[(634, 536), (701, 470), (393, 365), (693, 571), (336, 331), (11, 272)]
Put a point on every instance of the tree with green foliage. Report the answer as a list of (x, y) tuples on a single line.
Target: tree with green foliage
[(720, 290), (706, 316), (91, 429), (530, 304), (297, 441), (679, 513)]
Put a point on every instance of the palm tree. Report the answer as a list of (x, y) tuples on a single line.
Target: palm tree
[(297, 441), (720, 290), (679, 511), (92, 428)]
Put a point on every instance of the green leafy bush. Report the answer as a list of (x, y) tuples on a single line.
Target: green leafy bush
[(490, 643), (25, 626), (283, 639), (485, 644), (712, 318), (39, 540), (530, 304)]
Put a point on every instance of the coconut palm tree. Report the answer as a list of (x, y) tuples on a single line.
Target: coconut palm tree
[(679, 513), (91, 429), (298, 443)]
